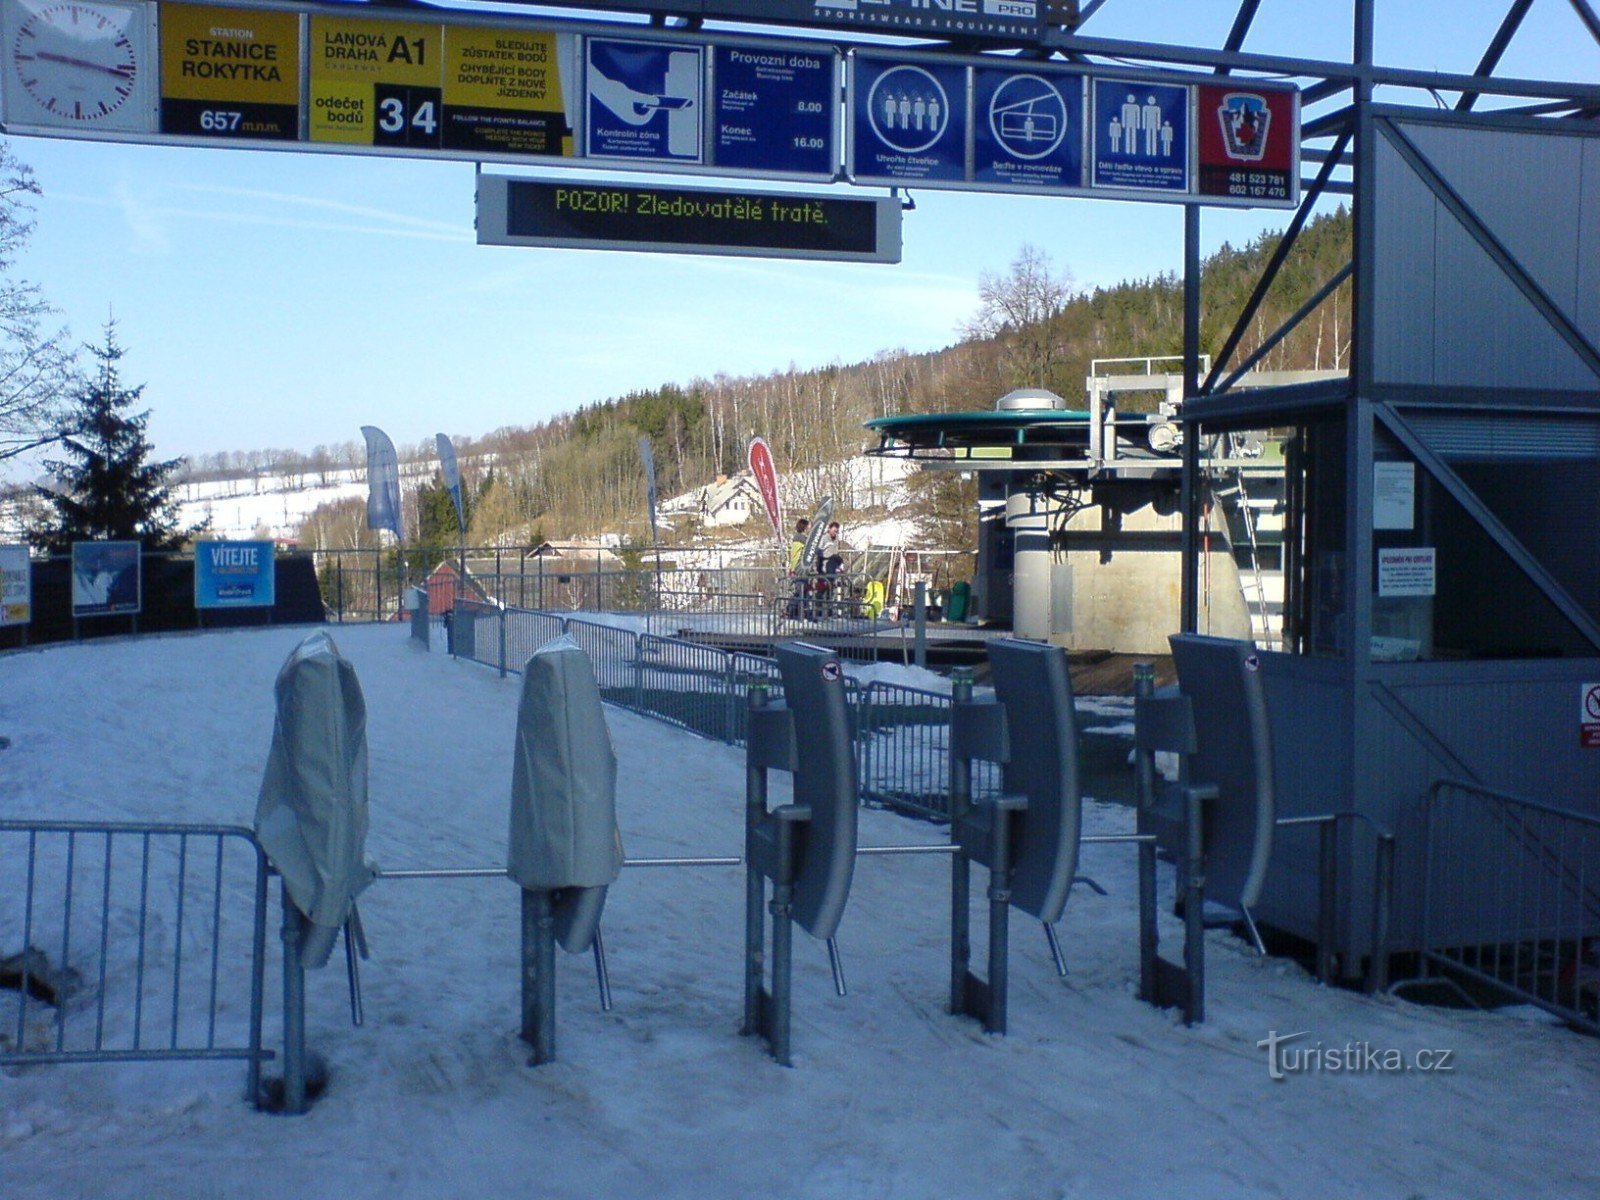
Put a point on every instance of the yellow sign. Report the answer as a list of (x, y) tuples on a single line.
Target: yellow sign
[(502, 91), (230, 72), (376, 83)]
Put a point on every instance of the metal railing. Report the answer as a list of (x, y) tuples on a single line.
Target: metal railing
[(1511, 898), (129, 944)]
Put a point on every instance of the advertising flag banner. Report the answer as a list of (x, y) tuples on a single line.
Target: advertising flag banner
[(649, 459), (452, 476), (16, 586), (234, 575), (383, 482), (766, 477), (105, 579)]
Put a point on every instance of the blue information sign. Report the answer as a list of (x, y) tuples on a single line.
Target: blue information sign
[(773, 110), (1141, 135), (644, 100), (1027, 128), (234, 575), (908, 120)]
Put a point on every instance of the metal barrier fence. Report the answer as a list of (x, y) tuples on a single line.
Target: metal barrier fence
[(130, 948), (903, 748), (1511, 897), (902, 733)]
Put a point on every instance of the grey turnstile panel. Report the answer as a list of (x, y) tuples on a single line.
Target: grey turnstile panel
[(1032, 682), (311, 814), (824, 781), (563, 829), (1222, 679), (577, 913)]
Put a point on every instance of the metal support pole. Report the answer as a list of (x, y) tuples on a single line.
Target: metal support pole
[(1144, 687), (1189, 595), (502, 641), (1383, 895), (920, 623), (538, 975), (1327, 895), (994, 1020), (960, 866), (755, 811), (782, 908), (1194, 905), (294, 1010)]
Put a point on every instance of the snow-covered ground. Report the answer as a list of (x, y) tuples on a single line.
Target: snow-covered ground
[(1093, 1094)]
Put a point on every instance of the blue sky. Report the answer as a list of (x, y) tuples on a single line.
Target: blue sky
[(285, 299)]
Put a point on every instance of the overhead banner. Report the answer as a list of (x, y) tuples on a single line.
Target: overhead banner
[(482, 88), (106, 579), (16, 586), (230, 73), (235, 575)]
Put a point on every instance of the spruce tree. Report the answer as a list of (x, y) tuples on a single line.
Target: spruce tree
[(105, 485)]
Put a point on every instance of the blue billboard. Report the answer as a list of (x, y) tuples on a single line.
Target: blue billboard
[(908, 120), (106, 578), (773, 110), (1141, 135), (234, 575), (1027, 128)]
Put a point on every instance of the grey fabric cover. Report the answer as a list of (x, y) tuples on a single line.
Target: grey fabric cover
[(311, 815), (564, 779)]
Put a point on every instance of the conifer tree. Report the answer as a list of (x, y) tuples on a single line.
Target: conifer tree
[(105, 484)]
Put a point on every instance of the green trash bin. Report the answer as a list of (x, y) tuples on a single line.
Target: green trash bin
[(960, 597)]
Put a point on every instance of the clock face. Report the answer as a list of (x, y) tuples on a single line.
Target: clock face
[(76, 64)]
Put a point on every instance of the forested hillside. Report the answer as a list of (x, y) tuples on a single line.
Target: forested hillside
[(579, 473)]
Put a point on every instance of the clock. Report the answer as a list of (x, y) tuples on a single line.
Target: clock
[(77, 64)]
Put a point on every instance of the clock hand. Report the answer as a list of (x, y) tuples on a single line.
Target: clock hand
[(67, 60)]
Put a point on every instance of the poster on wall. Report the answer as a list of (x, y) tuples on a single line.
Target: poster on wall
[(908, 120), (1141, 135), (16, 586), (1249, 140), (230, 73), (644, 100), (105, 579), (376, 83), (234, 575), (505, 91)]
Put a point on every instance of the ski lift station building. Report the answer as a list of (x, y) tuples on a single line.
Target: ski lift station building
[(1411, 545)]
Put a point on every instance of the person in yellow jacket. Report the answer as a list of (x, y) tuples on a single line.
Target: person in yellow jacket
[(797, 573)]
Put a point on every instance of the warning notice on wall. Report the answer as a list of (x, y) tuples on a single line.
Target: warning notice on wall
[(1407, 572), (1589, 717)]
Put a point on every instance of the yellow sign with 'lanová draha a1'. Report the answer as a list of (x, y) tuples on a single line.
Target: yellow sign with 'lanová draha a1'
[(230, 73), (376, 82)]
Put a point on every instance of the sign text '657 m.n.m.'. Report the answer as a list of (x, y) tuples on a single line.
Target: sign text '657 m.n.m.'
[(521, 212)]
